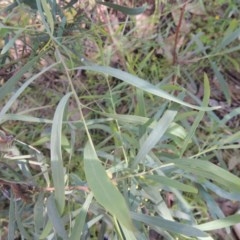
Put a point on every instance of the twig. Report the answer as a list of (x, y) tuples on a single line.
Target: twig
[(177, 33)]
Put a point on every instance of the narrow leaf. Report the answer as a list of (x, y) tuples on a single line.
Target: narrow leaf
[(24, 118), (20, 226), (211, 171), (171, 226), (47, 10), (38, 214), (56, 153), (220, 223), (222, 82), (11, 41), (10, 84), (103, 189), (46, 231), (12, 100), (80, 219), (42, 15), (199, 116), (142, 84), (12, 219), (55, 218), (155, 136), (156, 180)]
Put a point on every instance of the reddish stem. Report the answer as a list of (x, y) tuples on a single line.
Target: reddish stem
[(177, 33)]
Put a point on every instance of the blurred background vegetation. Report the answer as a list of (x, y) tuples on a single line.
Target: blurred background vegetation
[(119, 119)]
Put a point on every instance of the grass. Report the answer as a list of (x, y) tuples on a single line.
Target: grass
[(122, 138)]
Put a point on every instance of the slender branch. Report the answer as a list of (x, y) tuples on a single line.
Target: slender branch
[(177, 33)]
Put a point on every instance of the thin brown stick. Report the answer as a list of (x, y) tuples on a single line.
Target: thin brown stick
[(177, 33), (25, 191), (81, 188)]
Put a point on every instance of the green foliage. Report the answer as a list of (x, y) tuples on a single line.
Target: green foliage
[(115, 126)]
